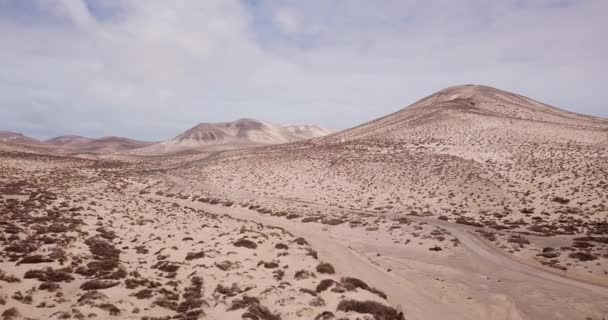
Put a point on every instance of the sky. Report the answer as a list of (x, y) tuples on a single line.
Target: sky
[(151, 69)]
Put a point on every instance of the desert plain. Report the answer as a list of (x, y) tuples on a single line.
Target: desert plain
[(472, 203)]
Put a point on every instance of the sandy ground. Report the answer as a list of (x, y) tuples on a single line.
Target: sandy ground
[(472, 281), (473, 203)]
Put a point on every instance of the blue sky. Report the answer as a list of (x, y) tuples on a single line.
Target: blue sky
[(151, 69)]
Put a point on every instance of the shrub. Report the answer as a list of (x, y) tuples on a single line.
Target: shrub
[(254, 309), (143, 294), (281, 246), (10, 314), (112, 309), (6, 278), (35, 259), (98, 285), (582, 256), (325, 315), (324, 285), (49, 286), (377, 310), (353, 283), (301, 241), (195, 255), (245, 243), (303, 274), (325, 268), (48, 274)]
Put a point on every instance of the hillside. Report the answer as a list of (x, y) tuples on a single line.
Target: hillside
[(17, 138), (472, 155)]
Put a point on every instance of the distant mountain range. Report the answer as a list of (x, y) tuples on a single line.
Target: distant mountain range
[(226, 135)]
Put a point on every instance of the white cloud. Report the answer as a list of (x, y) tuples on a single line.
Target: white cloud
[(287, 20), (149, 69)]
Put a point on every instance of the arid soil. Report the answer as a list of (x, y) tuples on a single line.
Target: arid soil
[(86, 239), (473, 203)]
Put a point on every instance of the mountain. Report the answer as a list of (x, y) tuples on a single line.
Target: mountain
[(78, 144), (68, 141), (236, 134), (467, 153), (104, 145), (471, 115), (17, 138)]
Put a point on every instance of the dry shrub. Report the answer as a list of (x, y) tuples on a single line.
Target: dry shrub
[(377, 310), (254, 309), (36, 258), (8, 278), (102, 248), (325, 315), (333, 221), (112, 309), (10, 314), (325, 268), (166, 266), (308, 291), (166, 303), (303, 274), (582, 256), (143, 294), (49, 286), (90, 296), (324, 285), (48, 274), (245, 243), (281, 246), (353, 283), (228, 291), (301, 241), (195, 255), (98, 285), (269, 264)]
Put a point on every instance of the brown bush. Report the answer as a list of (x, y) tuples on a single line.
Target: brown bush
[(324, 285), (225, 265), (102, 249), (333, 221), (377, 310), (10, 314), (245, 243), (281, 246), (36, 258), (254, 309), (166, 266), (90, 296), (353, 283), (303, 274), (195, 255), (228, 291), (49, 275), (582, 256), (166, 303), (8, 278), (143, 294), (112, 309), (325, 268), (301, 241), (269, 264), (49, 286), (98, 285), (325, 315)]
